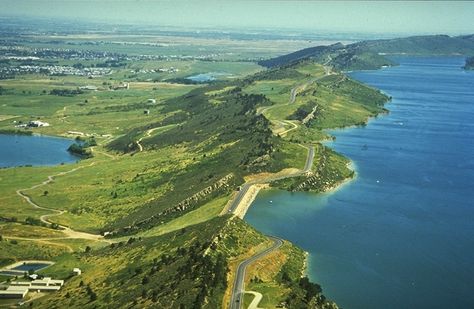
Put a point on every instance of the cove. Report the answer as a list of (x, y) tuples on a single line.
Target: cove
[(19, 150), (400, 235)]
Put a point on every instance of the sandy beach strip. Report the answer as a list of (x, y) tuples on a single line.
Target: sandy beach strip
[(248, 198)]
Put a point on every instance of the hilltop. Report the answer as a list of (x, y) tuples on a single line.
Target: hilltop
[(367, 55)]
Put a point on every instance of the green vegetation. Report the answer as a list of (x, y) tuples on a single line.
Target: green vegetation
[(369, 55), (80, 150), (66, 92), (360, 60), (28, 231), (15, 250), (160, 161), (182, 269), (329, 170), (16, 132), (285, 285)]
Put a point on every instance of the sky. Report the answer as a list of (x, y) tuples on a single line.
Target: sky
[(423, 17)]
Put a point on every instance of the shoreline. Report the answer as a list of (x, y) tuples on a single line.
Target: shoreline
[(251, 195), (248, 199)]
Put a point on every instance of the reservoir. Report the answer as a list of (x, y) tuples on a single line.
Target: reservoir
[(18, 150), (208, 77), (401, 234)]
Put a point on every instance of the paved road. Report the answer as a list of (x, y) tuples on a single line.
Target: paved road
[(256, 300), (309, 160), (293, 94), (238, 288), (245, 187)]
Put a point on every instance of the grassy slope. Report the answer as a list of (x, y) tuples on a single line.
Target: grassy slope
[(187, 268), (180, 269), (340, 102), (218, 130), (210, 132), (369, 55)]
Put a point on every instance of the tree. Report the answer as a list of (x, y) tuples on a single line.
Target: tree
[(285, 277), (312, 289), (154, 296), (93, 296), (88, 249), (45, 193)]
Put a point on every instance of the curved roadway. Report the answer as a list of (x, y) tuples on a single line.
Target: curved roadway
[(245, 187), (238, 288)]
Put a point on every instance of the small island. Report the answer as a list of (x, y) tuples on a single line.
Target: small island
[(469, 63)]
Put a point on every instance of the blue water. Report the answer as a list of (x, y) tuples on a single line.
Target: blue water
[(18, 150), (32, 266), (207, 77), (401, 235)]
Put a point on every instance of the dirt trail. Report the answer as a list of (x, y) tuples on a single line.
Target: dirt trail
[(147, 134), (70, 233)]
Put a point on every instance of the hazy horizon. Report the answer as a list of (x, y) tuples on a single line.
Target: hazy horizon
[(446, 17)]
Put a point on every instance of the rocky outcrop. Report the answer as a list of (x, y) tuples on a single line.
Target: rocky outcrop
[(185, 205), (195, 198)]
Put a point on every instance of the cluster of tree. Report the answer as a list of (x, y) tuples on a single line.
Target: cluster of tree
[(34, 221), (66, 92), (303, 111), (186, 271), (81, 149), (92, 295), (233, 119), (110, 63), (16, 132), (305, 294)]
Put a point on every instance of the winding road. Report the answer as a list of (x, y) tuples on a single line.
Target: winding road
[(238, 287), (233, 208)]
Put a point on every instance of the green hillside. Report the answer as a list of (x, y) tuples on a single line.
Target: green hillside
[(165, 161), (368, 55)]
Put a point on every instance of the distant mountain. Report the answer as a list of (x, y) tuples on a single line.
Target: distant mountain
[(371, 54)]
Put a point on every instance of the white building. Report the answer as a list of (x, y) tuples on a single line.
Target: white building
[(37, 124), (14, 292)]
